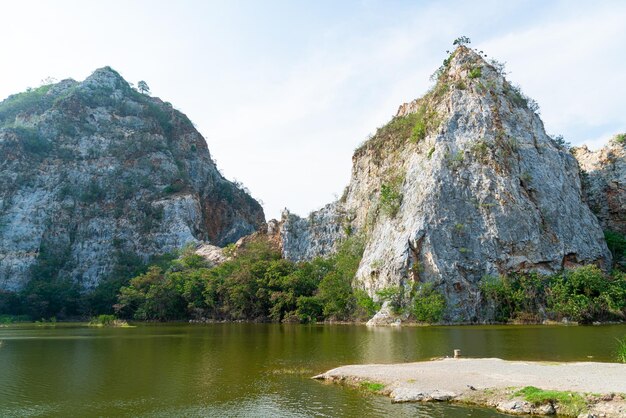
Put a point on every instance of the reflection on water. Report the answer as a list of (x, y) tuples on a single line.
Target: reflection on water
[(249, 369)]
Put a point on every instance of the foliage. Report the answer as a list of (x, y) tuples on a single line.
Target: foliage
[(10, 319), (585, 295), (617, 245), (393, 295), (101, 299), (621, 350), (475, 73), (143, 88), (162, 117), (32, 100), (462, 40), (152, 295), (48, 293), (92, 193), (480, 150), (366, 307), (582, 295), (560, 141), (372, 386), (428, 305), (514, 93), (513, 296), (569, 403), (174, 187), (620, 139), (391, 197), (103, 320), (412, 127), (255, 284), (425, 120), (31, 141)]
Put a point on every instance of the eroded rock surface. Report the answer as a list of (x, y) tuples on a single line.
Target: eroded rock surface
[(604, 182), (461, 184), (93, 173)]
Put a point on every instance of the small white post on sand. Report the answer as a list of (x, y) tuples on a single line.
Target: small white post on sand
[(457, 353)]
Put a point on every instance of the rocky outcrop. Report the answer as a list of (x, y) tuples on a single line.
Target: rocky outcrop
[(316, 236), (94, 172), (461, 184), (604, 182)]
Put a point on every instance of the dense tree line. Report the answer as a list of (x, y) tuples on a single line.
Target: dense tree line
[(257, 284)]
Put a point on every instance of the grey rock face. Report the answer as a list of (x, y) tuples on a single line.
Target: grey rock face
[(461, 184), (93, 172), (316, 236), (604, 183)]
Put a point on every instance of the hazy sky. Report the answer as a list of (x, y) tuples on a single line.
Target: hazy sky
[(283, 91)]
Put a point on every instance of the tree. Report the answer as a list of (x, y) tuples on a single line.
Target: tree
[(143, 87), (462, 40)]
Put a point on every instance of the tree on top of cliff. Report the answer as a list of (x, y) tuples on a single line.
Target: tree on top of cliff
[(143, 87), (462, 40)]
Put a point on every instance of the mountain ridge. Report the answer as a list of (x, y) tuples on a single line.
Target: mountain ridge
[(95, 171)]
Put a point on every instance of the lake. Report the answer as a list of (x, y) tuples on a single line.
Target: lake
[(241, 369)]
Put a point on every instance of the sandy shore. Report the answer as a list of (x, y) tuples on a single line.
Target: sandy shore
[(492, 382)]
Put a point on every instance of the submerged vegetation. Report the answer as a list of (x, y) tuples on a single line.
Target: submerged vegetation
[(107, 321)]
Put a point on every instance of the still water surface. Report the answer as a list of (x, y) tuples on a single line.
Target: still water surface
[(259, 370)]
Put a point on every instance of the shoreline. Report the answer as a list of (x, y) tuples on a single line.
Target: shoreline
[(583, 389), (407, 324)]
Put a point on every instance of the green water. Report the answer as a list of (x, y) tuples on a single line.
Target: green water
[(259, 370)]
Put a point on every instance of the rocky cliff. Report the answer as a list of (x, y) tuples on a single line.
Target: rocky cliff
[(460, 184), (94, 172), (604, 182)]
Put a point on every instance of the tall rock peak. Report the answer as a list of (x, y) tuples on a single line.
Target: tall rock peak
[(462, 183), (105, 77)]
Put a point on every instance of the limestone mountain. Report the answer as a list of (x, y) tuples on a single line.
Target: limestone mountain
[(604, 182), (93, 172), (460, 184)]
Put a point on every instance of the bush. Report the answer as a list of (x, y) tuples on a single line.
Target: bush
[(391, 196), (514, 296), (103, 320), (475, 73), (174, 187), (584, 295), (366, 307), (309, 308), (393, 295), (617, 245), (621, 350), (429, 305), (425, 120), (151, 296), (620, 139), (33, 100)]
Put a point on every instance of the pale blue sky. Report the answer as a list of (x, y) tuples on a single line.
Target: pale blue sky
[(284, 91)]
